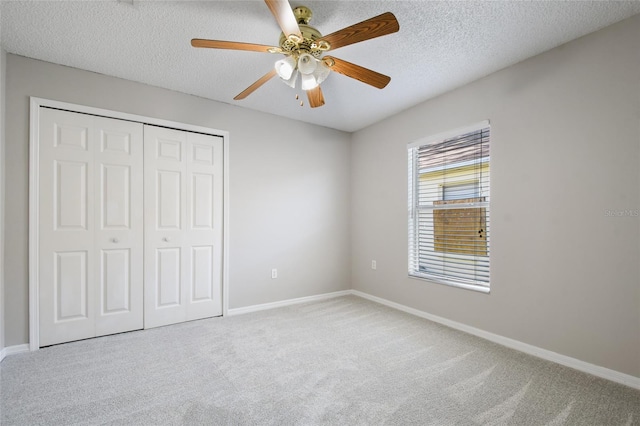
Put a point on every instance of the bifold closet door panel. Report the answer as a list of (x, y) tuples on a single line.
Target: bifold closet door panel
[(183, 232), (204, 225), (164, 196), (66, 261), (90, 226), (119, 236)]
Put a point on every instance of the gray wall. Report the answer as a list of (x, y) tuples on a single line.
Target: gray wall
[(289, 196), (565, 149), (3, 58)]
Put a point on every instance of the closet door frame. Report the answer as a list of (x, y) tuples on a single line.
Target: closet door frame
[(34, 143)]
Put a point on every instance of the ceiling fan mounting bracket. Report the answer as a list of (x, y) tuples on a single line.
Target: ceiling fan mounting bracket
[(303, 14)]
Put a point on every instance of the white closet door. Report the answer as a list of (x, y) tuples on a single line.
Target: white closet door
[(183, 226), (204, 225), (90, 230), (66, 263), (118, 243)]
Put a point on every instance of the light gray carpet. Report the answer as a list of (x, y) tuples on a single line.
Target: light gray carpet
[(342, 361)]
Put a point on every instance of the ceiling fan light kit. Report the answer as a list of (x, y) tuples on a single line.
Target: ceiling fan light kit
[(312, 71), (303, 47)]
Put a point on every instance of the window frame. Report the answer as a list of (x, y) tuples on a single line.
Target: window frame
[(413, 208)]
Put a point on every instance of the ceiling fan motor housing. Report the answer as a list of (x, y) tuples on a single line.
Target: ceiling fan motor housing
[(310, 35)]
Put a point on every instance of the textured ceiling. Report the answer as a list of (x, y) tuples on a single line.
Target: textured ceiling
[(440, 46)]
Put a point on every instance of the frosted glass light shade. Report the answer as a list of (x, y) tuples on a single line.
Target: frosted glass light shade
[(285, 67), (291, 82), (307, 64), (308, 81), (322, 72)]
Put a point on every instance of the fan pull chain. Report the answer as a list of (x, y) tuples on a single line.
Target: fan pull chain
[(301, 102)]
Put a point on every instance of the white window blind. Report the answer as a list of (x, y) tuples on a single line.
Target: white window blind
[(449, 224)]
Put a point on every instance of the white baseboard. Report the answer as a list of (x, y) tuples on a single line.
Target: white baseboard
[(567, 361), (12, 350), (272, 305)]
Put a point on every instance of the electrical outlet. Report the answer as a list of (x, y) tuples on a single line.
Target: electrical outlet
[(274, 273), (374, 265)]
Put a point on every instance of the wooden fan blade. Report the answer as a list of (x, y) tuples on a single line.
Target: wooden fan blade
[(316, 99), (363, 74), (371, 28), (262, 80), (283, 13), (234, 45)]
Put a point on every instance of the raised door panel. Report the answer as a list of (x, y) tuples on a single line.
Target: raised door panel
[(202, 287), (115, 211), (115, 281), (115, 141), (168, 279), (168, 200), (71, 286), (68, 135), (202, 214), (70, 195)]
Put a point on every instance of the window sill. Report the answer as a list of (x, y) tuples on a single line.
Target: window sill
[(431, 279)]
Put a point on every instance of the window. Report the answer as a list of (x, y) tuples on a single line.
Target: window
[(449, 208)]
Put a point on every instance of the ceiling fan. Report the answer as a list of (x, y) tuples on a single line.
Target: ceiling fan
[(304, 46)]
